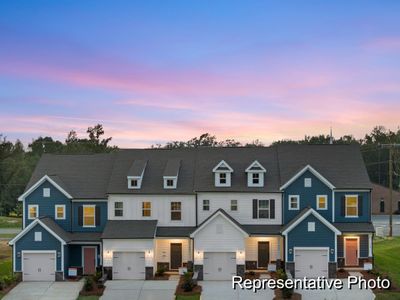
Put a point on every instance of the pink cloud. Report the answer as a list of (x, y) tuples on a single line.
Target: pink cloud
[(391, 43)]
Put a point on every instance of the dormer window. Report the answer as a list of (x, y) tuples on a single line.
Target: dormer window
[(255, 175), (135, 174), (170, 182), (134, 182), (222, 174)]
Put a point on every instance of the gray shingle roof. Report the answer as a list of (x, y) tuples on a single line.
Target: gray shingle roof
[(129, 229), (94, 176), (137, 168), (355, 227), (49, 222), (174, 231), (257, 230), (85, 236)]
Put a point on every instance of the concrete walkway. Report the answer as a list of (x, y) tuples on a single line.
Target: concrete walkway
[(140, 289), (63, 290), (220, 290)]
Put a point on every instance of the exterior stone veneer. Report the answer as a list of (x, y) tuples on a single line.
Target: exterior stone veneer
[(149, 273), (290, 268), (332, 268), (240, 270), (59, 276), (199, 268)]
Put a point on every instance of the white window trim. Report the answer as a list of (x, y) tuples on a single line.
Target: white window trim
[(175, 210), (139, 182), (209, 205), (37, 211), (307, 179), (83, 216), (46, 195), (143, 209), (326, 202), (345, 206), (298, 202), (55, 211), (269, 209), (174, 180), (237, 205), (119, 209), (250, 182), (38, 236), (218, 179)]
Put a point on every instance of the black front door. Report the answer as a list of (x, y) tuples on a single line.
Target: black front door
[(176, 256), (263, 254)]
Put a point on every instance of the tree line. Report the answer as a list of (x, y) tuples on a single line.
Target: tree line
[(18, 163)]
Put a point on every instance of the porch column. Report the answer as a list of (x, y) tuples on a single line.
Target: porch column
[(278, 250), (370, 245)]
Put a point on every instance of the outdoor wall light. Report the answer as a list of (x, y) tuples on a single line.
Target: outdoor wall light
[(332, 250), (290, 251), (18, 254), (58, 254)]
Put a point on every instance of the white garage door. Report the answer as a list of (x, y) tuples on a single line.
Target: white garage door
[(311, 263), (38, 266), (219, 265), (128, 265)]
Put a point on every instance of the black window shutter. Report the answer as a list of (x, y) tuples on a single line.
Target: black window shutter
[(343, 211), (98, 213), (80, 215), (360, 205), (255, 209), (272, 209)]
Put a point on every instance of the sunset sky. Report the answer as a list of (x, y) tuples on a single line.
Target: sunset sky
[(154, 71)]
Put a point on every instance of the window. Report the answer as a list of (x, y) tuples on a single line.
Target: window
[(311, 226), (256, 178), (176, 211), (307, 182), (322, 202), (118, 209), (146, 209), (398, 206), (294, 202), (351, 206), (33, 211), (263, 209), (89, 212), (382, 206), (234, 205), (170, 182), (134, 182), (60, 212), (38, 236), (222, 178), (46, 192), (206, 204)]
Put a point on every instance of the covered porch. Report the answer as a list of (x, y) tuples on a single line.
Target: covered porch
[(263, 253)]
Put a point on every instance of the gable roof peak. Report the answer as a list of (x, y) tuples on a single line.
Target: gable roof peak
[(223, 166), (256, 167)]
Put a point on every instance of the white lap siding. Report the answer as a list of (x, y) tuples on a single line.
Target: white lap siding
[(244, 213), (252, 248), (163, 249)]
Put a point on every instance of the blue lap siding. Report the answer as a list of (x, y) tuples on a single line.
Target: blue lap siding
[(75, 255), (27, 243), (308, 196), (364, 216), (301, 237), (47, 204), (103, 216)]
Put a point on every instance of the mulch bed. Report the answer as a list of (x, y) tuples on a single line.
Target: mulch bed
[(9, 288), (278, 295), (342, 274), (251, 276), (161, 277), (180, 291), (96, 291), (393, 288)]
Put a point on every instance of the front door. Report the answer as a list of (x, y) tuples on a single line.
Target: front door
[(351, 258), (263, 254), (176, 256), (89, 260)]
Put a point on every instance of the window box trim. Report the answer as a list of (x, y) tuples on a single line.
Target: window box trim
[(326, 202), (37, 211), (55, 213), (119, 209), (356, 206), (298, 202), (94, 216)]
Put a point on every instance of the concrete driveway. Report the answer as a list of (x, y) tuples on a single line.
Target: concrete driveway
[(140, 289), (64, 290), (218, 290)]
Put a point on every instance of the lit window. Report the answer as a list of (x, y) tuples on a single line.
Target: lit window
[(89, 215), (234, 205), (206, 204), (322, 202), (294, 202), (33, 211), (38, 236), (263, 209), (176, 211), (222, 178), (118, 209), (352, 206), (311, 226), (256, 178), (146, 209), (60, 212)]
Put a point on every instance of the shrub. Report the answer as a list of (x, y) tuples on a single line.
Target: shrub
[(97, 276), (341, 270), (160, 271), (7, 280), (188, 283), (252, 273), (88, 286), (286, 293)]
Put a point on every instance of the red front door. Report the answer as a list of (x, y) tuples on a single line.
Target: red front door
[(89, 260), (351, 258)]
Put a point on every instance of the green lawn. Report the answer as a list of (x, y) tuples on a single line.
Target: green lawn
[(193, 297), (387, 296), (10, 222), (5, 259), (386, 253), (8, 236), (88, 298)]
